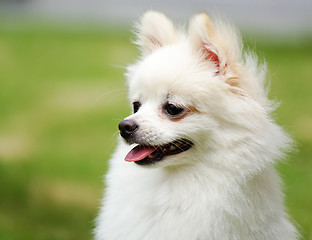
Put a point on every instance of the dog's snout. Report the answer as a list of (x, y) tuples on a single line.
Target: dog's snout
[(127, 128)]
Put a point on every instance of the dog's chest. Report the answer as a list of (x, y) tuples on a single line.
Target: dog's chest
[(155, 206)]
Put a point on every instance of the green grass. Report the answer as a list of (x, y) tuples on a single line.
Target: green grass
[(61, 98)]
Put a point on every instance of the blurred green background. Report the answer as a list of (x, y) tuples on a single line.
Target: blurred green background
[(62, 95)]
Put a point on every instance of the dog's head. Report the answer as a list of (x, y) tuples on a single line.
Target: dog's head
[(191, 93)]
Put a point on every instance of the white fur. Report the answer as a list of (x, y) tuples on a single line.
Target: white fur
[(224, 187)]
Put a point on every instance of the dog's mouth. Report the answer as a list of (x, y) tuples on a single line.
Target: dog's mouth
[(147, 155)]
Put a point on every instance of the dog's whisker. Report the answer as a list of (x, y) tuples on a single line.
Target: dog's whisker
[(122, 91), (118, 66), (116, 133)]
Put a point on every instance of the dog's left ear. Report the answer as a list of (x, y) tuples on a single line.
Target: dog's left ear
[(154, 31), (218, 45)]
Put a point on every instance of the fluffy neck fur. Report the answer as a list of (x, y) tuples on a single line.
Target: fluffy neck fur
[(192, 202)]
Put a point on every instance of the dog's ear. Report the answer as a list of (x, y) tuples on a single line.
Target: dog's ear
[(218, 45), (154, 31)]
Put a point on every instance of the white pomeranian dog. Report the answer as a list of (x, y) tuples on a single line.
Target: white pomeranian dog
[(197, 154)]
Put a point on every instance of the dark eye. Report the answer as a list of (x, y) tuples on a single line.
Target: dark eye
[(173, 110), (136, 106)]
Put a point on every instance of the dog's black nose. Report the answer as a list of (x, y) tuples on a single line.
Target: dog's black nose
[(127, 128)]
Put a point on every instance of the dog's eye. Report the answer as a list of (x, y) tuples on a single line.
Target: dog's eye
[(173, 110), (136, 106)]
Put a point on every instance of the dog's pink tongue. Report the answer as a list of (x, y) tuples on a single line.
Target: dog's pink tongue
[(138, 153)]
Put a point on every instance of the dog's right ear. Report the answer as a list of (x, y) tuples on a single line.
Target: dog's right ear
[(154, 31)]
